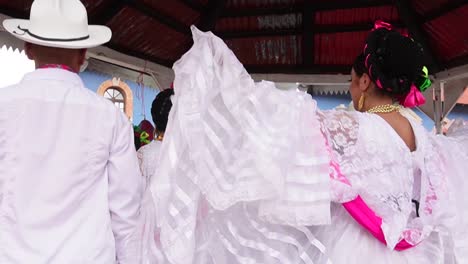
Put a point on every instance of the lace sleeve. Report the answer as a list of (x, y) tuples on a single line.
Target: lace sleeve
[(340, 130), (459, 131)]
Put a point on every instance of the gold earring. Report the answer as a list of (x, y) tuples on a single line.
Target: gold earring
[(361, 102), (160, 137)]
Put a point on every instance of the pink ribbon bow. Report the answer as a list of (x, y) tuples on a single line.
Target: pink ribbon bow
[(414, 98), (381, 24)]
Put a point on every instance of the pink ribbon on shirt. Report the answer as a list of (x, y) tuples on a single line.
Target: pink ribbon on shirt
[(57, 66)]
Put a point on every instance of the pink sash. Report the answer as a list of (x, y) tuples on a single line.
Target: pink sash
[(359, 210)]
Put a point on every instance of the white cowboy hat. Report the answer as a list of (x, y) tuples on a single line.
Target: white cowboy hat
[(59, 24)]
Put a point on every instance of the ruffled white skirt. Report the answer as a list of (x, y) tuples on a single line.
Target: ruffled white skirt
[(347, 242)]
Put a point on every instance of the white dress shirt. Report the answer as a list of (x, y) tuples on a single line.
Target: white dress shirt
[(70, 187)]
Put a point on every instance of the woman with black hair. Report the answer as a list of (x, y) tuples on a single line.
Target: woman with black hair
[(391, 180), (253, 174), (148, 157), (136, 140)]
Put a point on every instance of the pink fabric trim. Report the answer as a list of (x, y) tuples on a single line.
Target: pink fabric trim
[(359, 210), (57, 66)]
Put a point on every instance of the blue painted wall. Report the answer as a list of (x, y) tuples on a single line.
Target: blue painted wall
[(93, 80), (327, 102), (459, 112)]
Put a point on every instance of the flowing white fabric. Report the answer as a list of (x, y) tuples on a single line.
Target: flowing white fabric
[(69, 179), (454, 151), (243, 166)]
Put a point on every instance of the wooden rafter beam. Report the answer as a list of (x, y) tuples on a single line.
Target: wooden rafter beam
[(459, 61), (322, 6), (211, 14), (307, 49), (107, 12), (445, 9), (140, 55), (262, 11), (317, 29), (262, 33), (161, 18), (413, 24), (14, 13), (293, 69), (289, 69), (194, 5), (346, 4)]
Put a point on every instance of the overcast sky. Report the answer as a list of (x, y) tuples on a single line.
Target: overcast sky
[(13, 65)]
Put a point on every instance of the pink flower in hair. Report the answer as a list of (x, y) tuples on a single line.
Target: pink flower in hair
[(413, 98)]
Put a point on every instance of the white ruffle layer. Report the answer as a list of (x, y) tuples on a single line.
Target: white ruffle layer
[(250, 151)]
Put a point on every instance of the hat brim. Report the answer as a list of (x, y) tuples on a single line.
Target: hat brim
[(98, 35)]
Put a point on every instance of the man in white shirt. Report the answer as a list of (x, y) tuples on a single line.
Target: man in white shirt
[(70, 186)]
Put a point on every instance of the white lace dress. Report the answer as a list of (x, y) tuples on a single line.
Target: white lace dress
[(147, 235), (382, 170), (252, 174)]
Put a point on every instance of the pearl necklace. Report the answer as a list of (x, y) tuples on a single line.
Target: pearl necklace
[(388, 108)]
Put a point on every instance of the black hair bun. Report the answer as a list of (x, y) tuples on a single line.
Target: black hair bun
[(160, 109), (394, 61)]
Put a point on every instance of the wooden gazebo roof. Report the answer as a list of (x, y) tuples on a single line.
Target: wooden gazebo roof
[(277, 36)]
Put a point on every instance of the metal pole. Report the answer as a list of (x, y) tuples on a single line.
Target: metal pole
[(437, 103)]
